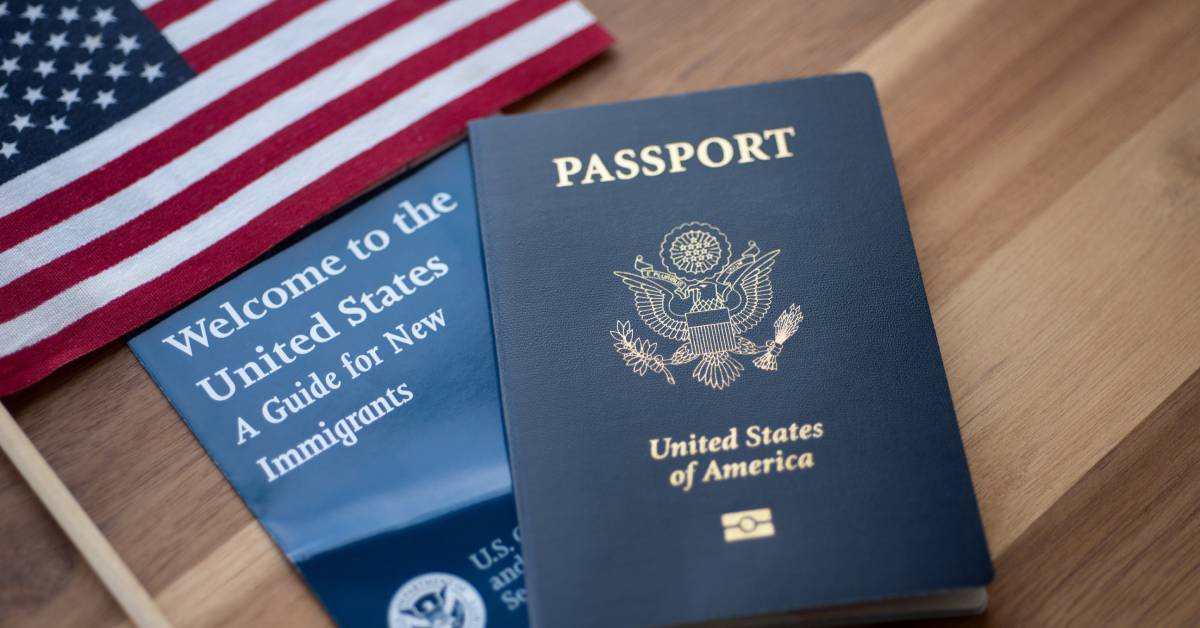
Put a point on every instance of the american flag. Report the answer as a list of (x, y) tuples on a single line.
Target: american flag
[(150, 148)]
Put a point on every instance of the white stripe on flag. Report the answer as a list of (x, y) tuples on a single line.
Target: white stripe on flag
[(351, 140), (246, 133), (209, 20), (145, 4), (282, 43)]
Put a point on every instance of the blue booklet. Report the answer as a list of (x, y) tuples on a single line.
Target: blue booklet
[(723, 391), (347, 388)]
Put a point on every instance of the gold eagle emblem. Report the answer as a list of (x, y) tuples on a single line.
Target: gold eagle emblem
[(706, 300)]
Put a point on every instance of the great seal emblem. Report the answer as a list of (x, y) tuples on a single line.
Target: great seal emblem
[(437, 600), (706, 300)]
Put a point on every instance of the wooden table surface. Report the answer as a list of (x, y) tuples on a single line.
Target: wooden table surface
[(1049, 153)]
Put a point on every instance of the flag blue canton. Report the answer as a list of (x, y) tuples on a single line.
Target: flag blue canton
[(69, 70)]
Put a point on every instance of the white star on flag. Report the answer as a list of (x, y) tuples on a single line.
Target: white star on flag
[(92, 43), (44, 68), (22, 39), (8, 149), (8, 66), (57, 124), (57, 41), (69, 97), (20, 122), (33, 13), (81, 70), (128, 44), (68, 14), (104, 17), (116, 71), (33, 95), (105, 98), (152, 71)]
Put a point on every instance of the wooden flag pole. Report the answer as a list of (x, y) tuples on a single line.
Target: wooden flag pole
[(82, 531)]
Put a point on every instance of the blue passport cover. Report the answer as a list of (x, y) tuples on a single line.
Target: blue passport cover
[(367, 438), (722, 387)]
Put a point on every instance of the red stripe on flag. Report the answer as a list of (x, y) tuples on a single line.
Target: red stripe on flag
[(169, 290), (43, 283), (126, 169), (246, 31), (165, 12)]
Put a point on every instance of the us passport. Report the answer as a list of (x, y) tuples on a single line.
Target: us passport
[(722, 387)]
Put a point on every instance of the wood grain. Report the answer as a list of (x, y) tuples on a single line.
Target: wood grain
[(77, 525), (1049, 154)]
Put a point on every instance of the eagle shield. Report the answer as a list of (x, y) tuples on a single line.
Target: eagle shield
[(705, 300)]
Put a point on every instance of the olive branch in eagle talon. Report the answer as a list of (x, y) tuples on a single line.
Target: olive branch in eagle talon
[(638, 353), (707, 301)]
